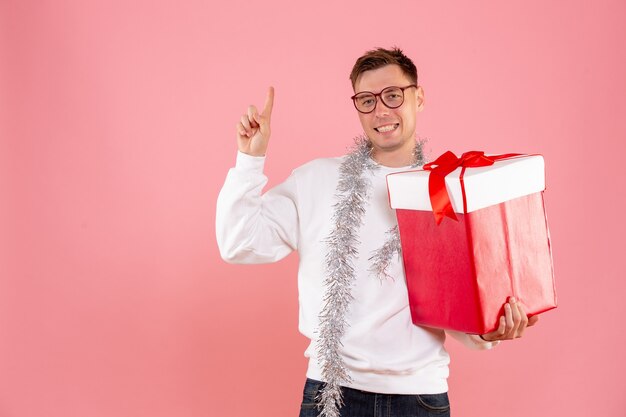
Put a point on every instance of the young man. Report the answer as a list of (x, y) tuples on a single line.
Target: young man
[(366, 358)]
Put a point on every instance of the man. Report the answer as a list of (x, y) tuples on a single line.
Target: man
[(366, 357)]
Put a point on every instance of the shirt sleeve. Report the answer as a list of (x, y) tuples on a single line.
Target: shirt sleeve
[(252, 227), (472, 341)]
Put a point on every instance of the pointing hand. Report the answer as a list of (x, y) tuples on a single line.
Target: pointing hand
[(253, 130)]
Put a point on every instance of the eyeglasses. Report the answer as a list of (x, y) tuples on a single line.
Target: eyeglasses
[(392, 97)]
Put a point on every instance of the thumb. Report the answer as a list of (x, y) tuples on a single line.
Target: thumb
[(264, 125), (261, 120), (258, 118)]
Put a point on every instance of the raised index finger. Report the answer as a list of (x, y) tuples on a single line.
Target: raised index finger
[(269, 103)]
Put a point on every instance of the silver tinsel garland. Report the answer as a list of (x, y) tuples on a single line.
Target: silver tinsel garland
[(381, 259), (352, 194)]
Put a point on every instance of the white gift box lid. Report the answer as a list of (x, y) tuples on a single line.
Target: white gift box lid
[(486, 186)]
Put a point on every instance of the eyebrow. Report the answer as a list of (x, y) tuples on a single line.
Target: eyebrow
[(371, 92)]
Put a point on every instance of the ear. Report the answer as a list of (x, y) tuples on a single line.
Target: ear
[(419, 97)]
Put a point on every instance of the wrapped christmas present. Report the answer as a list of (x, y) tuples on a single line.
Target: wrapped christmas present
[(474, 233)]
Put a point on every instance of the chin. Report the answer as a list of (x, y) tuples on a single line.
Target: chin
[(387, 142)]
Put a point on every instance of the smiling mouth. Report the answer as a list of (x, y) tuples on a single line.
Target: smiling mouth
[(387, 128)]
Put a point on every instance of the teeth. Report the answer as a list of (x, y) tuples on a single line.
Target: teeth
[(386, 128)]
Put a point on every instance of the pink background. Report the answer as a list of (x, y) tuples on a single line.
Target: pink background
[(117, 129)]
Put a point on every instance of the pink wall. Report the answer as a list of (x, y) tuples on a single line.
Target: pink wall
[(117, 129)]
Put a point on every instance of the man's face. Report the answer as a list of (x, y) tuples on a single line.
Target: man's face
[(390, 130)]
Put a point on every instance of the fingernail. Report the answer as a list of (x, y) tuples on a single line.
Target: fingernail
[(512, 299)]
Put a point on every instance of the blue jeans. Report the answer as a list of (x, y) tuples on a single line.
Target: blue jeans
[(359, 403)]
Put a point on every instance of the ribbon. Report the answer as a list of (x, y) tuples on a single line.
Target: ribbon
[(445, 164)]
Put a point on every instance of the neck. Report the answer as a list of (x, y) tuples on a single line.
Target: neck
[(395, 159)]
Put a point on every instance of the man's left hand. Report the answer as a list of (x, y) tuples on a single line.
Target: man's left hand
[(512, 323)]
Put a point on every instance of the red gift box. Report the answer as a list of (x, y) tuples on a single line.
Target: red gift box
[(461, 272)]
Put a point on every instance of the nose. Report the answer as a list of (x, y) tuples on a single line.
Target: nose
[(381, 109)]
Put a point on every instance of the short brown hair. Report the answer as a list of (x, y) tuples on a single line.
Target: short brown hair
[(380, 57)]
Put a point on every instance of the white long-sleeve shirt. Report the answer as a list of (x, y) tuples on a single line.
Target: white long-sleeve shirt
[(383, 350)]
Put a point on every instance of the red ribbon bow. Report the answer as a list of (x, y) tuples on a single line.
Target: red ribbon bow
[(445, 164)]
